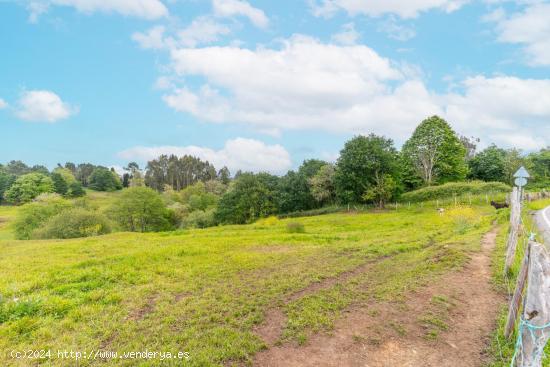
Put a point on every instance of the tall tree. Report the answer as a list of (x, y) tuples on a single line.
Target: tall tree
[(28, 187), (363, 163), (489, 165), (435, 152), (322, 185), (249, 197)]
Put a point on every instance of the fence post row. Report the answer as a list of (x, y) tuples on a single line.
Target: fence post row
[(534, 322)]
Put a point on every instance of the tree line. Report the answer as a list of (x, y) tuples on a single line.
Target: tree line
[(370, 169)]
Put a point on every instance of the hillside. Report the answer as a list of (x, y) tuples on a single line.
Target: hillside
[(213, 292)]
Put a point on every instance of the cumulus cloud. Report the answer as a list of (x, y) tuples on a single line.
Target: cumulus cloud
[(146, 9), (506, 110), (229, 8), (308, 85), (395, 30), (43, 106), (237, 154), (3, 104), (530, 28), (375, 8), (304, 84)]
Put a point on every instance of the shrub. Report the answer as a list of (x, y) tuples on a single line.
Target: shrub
[(76, 190), (451, 189), (141, 209), (73, 223), (34, 215), (27, 187), (199, 219), (295, 227)]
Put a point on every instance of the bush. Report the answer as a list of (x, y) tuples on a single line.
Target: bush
[(32, 216), (295, 227), (76, 190), (141, 209), (73, 223), (199, 219), (27, 187), (451, 189)]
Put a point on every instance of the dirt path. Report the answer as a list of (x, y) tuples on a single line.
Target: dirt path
[(446, 324)]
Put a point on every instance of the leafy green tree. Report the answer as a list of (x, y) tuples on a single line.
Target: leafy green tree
[(293, 193), (382, 191), (224, 175), (60, 186), (140, 209), (17, 168), (40, 169), (66, 174), (322, 185), (103, 179), (310, 167), (76, 190), (489, 165), (27, 187), (83, 173), (539, 166), (249, 197), (513, 161), (363, 163), (6, 180), (435, 152)]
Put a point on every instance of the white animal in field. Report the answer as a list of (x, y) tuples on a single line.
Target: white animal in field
[(441, 211)]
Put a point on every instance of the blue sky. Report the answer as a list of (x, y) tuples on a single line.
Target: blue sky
[(262, 85)]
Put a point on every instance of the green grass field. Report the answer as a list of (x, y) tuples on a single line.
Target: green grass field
[(203, 291)]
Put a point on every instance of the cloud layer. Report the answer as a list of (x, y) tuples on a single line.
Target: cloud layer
[(43, 106), (309, 85), (375, 8), (237, 154), (146, 9), (530, 28)]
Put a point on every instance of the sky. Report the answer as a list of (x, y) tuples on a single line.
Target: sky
[(262, 85)]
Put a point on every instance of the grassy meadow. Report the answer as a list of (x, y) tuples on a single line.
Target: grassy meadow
[(204, 291)]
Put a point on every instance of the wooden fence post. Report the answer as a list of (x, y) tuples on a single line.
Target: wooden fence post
[(536, 310), (518, 294), (515, 218)]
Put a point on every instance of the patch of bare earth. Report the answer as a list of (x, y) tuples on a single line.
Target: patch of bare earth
[(447, 323)]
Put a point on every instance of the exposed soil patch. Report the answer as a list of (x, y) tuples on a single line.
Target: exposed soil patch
[(147, 308), (444, 324), (270, 330)]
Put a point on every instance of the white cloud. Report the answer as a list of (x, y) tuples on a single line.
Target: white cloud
[(201, 31), (152, 39), (237, 154), (504, 110), (303, 85), (308, 85), (146, 9), (3, 104), (43, 106), (375, 8), (347, 36), (530, 28), (229, 8)]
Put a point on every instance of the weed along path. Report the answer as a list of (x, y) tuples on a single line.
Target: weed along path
[(444, 323)]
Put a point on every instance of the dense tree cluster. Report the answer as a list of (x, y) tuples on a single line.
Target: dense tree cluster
[(184, 192)]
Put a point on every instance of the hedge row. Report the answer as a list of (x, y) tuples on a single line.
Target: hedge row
[(452, 189)]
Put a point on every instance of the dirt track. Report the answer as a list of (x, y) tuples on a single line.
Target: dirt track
[(459, 310)]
